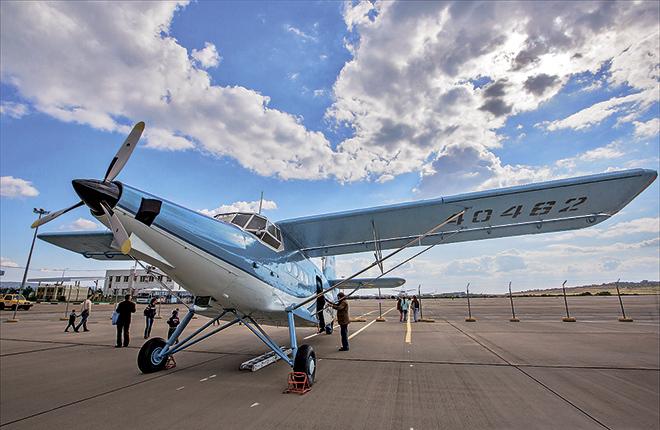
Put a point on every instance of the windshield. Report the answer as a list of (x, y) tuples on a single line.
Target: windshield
[(256, 224)]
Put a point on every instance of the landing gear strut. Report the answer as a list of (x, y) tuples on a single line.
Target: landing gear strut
[(154, 354)]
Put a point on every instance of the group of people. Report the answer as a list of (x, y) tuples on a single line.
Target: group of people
[(86, 308), (403, 305), (125, 309)]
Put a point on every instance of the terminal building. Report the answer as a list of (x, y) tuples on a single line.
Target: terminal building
[(129, 281)]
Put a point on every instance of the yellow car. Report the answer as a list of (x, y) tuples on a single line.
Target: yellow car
[(11, 301)]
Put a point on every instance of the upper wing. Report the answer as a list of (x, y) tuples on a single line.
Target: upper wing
[(564, 204), (90, 244)]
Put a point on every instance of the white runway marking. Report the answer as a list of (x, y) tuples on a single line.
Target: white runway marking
[(367, 326), (335, 326), (180, 388), (254, 404), (203, 379)]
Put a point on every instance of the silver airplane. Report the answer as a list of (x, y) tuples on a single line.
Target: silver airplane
[(242, 267)]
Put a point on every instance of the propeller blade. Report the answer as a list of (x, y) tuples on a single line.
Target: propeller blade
[(124, 152), (51, 216), (118, 230)]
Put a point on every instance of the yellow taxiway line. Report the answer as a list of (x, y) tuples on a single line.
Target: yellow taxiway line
[(408, 329)]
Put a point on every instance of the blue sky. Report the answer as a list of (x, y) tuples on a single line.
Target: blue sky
[(330, 106)]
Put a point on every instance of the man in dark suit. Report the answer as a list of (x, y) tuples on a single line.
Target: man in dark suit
[(124, 309)]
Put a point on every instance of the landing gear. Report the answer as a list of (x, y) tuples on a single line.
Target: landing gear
[(305, 362), (328, 328), (149, 358)]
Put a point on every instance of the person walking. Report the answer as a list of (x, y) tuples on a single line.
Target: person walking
[(72, 321), (405, 305), (149, 315), (124, 309), (342, 319), (173, 323), (398, 308), (84, 314), (415, 308)]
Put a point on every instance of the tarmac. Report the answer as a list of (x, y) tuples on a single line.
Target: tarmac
[(449, 374)]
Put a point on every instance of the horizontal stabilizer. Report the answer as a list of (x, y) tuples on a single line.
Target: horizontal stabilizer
[(369, 283), (96, 245)]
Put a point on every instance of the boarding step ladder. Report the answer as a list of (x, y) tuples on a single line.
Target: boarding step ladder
[(263, 360)]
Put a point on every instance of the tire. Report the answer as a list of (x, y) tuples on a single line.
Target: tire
[(305, 361), (146, 360), (13, 307), (2, 306), (328, 328)]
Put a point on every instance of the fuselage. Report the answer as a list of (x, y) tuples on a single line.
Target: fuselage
[(216, 259)]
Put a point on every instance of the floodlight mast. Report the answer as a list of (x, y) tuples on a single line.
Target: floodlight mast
[(41, 213)]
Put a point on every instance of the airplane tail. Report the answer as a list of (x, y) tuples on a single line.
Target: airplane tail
[(329, 267)]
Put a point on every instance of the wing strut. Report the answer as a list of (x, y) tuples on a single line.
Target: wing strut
[(409, 243)]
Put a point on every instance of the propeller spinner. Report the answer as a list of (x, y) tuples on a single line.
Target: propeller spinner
[(102, 196)]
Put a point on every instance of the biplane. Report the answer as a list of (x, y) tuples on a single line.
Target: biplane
[(243, 267)]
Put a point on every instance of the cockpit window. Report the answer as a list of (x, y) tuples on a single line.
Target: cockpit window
[(241, 219), (256, 224)]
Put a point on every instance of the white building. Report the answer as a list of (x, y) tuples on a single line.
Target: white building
[(120, 282)]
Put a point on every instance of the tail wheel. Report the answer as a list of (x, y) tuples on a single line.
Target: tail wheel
[(305, 361), (149, 359)]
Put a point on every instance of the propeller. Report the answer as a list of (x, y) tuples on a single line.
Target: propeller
[(118, 230), (101, 196), (51, 216)]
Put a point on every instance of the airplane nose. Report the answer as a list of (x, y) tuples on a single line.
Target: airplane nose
[(93, 192)]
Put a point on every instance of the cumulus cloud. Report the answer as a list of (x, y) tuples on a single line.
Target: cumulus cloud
[(457, 71), (207, 57), (440, 90), (11, 187), (13, 109), (142, 73), (647, 129), (240, 206), (81, 224), (6, 262)]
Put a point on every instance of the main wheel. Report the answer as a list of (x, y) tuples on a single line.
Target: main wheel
[(148, 359), (13, 307), (328, 328), (305, 361), (2, 306)]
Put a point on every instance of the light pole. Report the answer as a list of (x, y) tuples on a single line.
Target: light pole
[(41, 213)]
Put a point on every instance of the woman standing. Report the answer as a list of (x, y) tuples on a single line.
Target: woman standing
[(149, 314), (405, 305), (415, 308)]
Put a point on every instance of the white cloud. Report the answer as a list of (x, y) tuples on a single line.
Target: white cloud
[(207, 57), (11, 187), (240, 206), (142, 73), (594, 114), (13, 109), (412, 100), (455, 72), (647, 129), (301, 34), (610, 151), (6, 262), (81, 224)]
